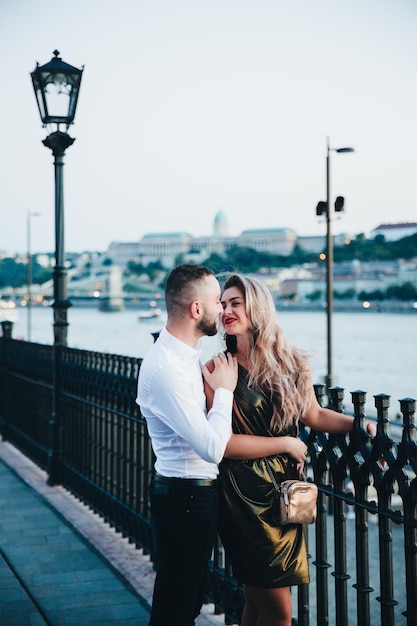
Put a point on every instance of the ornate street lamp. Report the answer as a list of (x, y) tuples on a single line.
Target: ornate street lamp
[(57, 86), (323, 208)]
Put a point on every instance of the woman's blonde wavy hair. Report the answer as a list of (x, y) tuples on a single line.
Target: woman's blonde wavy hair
[(276, 367)]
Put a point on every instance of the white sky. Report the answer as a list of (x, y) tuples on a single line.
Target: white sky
[(191, 106)]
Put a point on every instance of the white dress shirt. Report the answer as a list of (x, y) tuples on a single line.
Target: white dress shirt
[(188, 442)]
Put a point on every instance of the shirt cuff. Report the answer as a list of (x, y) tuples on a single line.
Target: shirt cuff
[(223, 395)]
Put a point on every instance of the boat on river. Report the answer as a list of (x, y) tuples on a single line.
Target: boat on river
[(149, 314)]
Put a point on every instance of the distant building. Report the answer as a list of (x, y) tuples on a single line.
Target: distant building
[(164, 247), (44, 260), (221, 225), (5, 254), (393, 232), (314, 243), (279, 241), (122, 253), (168, 247), (353, 275), (317, 243)]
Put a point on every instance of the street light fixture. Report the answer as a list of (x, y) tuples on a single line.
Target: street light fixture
[(57, 85), (30, 214), (324, 208)]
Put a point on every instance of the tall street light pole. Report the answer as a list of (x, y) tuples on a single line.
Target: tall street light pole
[(57, 86), (324, 208), (30, 214)]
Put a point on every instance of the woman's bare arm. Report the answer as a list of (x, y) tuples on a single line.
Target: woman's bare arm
[(246, 447)]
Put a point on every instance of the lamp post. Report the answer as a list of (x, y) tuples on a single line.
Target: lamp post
[(30, 214), (57, 85), (324, 208)]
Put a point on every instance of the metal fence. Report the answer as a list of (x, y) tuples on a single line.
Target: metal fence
[(73, 412)]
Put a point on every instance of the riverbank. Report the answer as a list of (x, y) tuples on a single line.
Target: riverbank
[(340, 306)]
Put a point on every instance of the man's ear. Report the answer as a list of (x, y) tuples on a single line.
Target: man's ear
[(195, 308)]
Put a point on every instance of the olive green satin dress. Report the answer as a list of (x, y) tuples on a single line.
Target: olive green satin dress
[(261, 553)]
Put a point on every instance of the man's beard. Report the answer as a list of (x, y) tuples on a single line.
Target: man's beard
[(207, 326)]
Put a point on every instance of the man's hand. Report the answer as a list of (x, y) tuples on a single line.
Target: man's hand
[(224, 372)]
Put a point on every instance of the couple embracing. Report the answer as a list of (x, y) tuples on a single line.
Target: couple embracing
[(211, 428)]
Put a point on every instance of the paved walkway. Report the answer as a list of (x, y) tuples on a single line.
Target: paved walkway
[(60, 564)]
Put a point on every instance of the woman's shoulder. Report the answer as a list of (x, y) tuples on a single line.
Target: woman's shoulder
[(210, 365)]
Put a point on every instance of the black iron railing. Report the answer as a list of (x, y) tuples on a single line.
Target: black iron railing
[(93, 441)]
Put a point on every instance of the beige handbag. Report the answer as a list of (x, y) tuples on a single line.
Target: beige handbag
[(295, 501)]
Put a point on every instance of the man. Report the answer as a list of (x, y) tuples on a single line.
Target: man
[(188, 442)]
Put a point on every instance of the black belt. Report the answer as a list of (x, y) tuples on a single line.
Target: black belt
[(193, 482)]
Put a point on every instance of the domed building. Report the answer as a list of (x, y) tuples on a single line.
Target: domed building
[(221, 224), (168, 248)]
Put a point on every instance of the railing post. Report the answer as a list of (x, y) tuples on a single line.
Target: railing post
[(54, 423), (319, 390), (321, 563), (338, 472), (361, 482), (382, 403), (7, 330), (336, 395), (407, 450)]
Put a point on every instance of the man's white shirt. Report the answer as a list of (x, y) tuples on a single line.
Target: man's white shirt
[(188, 442)]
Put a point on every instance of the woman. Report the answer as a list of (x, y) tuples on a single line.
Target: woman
[(274, 391)]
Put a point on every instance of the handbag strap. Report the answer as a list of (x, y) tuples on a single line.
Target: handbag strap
[(271, 476)]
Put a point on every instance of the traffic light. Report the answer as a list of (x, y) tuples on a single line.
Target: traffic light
[(339, 203), (321, 208)]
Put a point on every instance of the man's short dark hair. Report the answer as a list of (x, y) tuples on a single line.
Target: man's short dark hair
[(180, 285)]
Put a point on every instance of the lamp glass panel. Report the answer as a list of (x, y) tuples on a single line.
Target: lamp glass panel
[(40, 101), (57, 93)]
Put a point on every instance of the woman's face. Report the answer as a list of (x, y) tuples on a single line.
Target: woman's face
[(234, 318)]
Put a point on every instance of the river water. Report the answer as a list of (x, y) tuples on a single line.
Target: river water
[(374, 352)]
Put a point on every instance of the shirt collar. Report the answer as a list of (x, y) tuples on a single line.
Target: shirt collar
[(181, 348)]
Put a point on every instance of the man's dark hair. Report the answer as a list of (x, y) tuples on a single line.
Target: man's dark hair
[(180, 285)]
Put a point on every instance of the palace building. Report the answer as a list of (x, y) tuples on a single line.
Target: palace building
[(168, 247)]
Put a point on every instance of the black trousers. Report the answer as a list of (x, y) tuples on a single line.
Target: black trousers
[(184, 518)]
